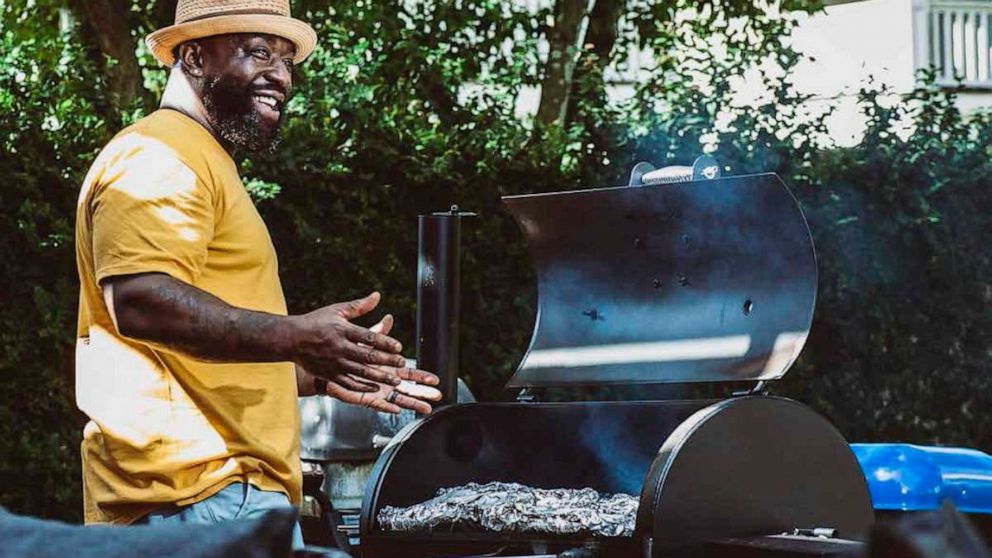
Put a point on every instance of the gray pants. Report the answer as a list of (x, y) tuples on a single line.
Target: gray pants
[(236, 501)]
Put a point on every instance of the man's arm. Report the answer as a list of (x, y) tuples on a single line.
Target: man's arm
[(158, 309)]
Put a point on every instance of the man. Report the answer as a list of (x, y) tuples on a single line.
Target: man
[(185, 354)]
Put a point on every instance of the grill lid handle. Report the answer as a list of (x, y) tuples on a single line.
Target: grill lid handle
[(704, 168)]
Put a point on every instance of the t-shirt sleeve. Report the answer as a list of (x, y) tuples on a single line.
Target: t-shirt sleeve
[(150, 213)]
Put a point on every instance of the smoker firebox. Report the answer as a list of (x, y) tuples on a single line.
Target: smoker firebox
[(709, 281)]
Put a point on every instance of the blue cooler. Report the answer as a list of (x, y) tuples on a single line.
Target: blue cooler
[(905, 478)]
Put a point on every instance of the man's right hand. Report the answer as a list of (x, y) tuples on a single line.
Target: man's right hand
[(332, 347)]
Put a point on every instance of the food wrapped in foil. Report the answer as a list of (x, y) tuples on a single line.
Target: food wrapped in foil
[(515, 508)]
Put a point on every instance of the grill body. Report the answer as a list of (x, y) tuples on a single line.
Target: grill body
[(700, 471), (699, 282)]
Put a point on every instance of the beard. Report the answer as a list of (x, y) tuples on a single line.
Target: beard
[(231, 112)]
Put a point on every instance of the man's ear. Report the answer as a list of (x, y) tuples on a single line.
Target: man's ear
[(191, 58)]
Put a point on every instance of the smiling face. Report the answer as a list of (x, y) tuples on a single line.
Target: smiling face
[(244, 82)]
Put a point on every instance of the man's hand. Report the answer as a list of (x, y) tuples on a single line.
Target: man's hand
[(408, 395), (333, 348), (414, 392)]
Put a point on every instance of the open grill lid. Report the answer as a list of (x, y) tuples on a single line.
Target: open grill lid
[(704, 281)]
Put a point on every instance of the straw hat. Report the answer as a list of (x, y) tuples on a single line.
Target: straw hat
[(196, 19)]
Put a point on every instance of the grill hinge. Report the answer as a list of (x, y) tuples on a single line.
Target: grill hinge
[(759, 388), (527, 395)]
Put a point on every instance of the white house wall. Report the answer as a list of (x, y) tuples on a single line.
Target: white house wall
[(849, 46), (880, 41)]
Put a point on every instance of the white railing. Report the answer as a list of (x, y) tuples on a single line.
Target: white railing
[(955, 37)]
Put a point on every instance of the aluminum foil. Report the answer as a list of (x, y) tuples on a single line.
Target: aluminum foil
[(515, 508)]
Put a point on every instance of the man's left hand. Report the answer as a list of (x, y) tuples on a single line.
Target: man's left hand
[(412, 395), (414, 392)]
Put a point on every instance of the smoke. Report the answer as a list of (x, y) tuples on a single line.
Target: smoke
[(610, 438)]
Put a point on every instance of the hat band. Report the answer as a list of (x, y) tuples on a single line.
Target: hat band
[(247, 11)]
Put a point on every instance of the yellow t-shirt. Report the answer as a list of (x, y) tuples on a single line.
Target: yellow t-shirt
[(163, 196)]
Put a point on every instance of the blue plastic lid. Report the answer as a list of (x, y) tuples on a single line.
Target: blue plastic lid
[(907, 477)]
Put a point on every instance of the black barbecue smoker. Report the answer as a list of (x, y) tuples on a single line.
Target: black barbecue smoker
[(712, 280)]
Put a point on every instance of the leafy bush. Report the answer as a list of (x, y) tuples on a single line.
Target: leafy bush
[(901, 345), (50, 128)]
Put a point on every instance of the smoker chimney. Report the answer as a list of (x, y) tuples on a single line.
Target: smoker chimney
[(439, 297)]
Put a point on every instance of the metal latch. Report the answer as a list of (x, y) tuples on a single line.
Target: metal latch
[(821, 532)]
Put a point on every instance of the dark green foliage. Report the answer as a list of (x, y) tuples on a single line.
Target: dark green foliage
[(49, 131), (901, 345), (384, 127)]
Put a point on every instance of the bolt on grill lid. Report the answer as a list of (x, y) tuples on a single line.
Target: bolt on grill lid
[(705, 281)]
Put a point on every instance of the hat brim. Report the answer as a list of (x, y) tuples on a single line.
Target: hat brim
[(165, 40)]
